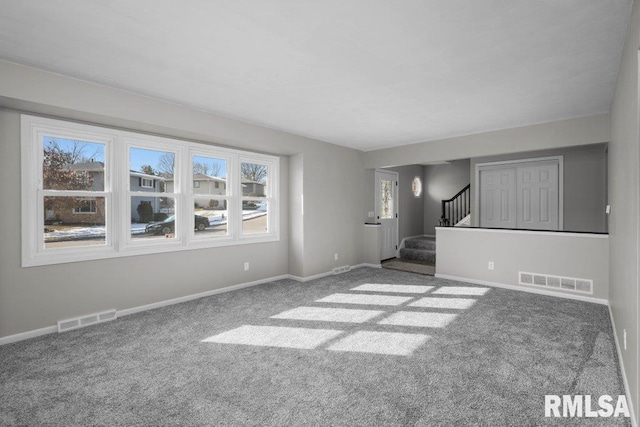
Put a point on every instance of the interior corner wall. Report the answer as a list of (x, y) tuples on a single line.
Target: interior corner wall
[(585, 184), (296, 221), (624, 198), (334, 178), (410, 207), (441, 182)]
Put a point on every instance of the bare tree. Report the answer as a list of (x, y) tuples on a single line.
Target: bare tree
[(78, 152), (148, 170), (215, 169), (202, 168), (56, 175), (166, 165), (254, 172)]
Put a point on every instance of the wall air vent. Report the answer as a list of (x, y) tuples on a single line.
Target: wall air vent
[(89, 319), (573, 284), (342, 269)]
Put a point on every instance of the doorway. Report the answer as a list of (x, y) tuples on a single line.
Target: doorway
[(386, 211), (520, 194)]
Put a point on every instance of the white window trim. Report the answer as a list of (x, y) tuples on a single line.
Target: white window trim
[(95, 206), (117, 193), (269, 197), (142, 181)]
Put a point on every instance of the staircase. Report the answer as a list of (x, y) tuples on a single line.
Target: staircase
[(455, 213), (420, 249), (457, 208)]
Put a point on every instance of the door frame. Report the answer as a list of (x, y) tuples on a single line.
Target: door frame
[(396, 204), (476, 186)]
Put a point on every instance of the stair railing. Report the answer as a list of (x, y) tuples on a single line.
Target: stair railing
[(456, 208)]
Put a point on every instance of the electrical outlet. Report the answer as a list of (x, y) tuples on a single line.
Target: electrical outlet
[(246, 266), (491, 265), (608, 209), (335, 256), (371, 214), (624, 338)]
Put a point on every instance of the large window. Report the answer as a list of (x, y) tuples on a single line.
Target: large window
[(90, 192)]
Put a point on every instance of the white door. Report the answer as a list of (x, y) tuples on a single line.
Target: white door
[(538, 196), (520, 195), (387, 211), (498, 198)]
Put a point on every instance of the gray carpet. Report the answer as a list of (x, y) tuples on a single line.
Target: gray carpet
[(469, 359)]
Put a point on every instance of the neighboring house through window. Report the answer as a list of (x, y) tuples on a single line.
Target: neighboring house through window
[(85, 206)]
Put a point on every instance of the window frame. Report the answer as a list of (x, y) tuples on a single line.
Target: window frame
[(117, 193), (268, 198), (230, 197), (93, 205), (142, 180), (146, 142)]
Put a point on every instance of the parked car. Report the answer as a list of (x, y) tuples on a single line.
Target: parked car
[(168, 225)]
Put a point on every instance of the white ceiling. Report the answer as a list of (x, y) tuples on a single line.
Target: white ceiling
[(365, 74)]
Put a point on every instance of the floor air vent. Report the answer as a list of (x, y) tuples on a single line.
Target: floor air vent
[(342, 269), (559, 282), (89, 319)]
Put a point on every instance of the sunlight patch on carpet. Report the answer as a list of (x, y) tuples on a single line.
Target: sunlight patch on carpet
[(417, 319), (457, 303), (460, 290), (402, 289), (365, 299), (329, 314), (275, 336), (389, 343)]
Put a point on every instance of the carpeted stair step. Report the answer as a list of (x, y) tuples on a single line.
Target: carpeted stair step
[(418, 254), (421, 243)]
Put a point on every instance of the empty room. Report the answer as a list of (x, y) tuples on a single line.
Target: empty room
[(294, 212)]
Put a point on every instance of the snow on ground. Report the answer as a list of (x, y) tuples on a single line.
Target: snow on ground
[(215, 218)]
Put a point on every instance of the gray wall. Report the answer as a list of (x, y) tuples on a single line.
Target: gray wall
[(563, 133), (585, 184), (331, 178), (465, 253), (333, 201), (442, 182), (624, 197), (410, 208)]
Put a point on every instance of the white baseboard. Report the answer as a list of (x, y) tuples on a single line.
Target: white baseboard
[(366, 264), (29, 334), (302, 279), (523, 289), (625, 382), (124, 312), (138, 309), (329, 273)]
